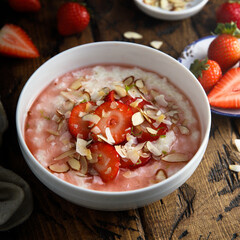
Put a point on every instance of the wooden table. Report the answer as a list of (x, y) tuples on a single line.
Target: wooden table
[(207, 206)]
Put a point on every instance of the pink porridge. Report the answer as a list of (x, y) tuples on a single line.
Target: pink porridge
[(112, 128)]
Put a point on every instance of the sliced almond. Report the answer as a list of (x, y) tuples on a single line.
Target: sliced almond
[(81, 148), (153, 149), (121, 91), (160, 99), (237, 144), (184, 130), (128, 81), (109, 135), (152, 131), (91, 118), (235, 168), (160, 175), (156, 44), (121, 151), (136, 102), (139, 83), (113, 105), (84, 165), (74, 164), (145, 115), (137, 119), (175, 157), (53, 132), (108, 171), (86, 96), (65, 154), (132, 35), (134, 92), (59, 168), (96, 130), (76, 84)]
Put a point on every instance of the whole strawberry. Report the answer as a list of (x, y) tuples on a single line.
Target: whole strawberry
[(225, 48), (25, 5), (208, 72), (72, 18), (229, 12)]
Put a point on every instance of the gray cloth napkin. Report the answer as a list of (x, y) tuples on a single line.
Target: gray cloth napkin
[(16, 202)]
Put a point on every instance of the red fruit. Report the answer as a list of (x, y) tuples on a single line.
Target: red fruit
[(72, 18), (117, 117), (128, 100), (127, 163), (143, 135), (76, 125), (14, 42), (110, 96), (226, 93), (25, 5), (107, 160), (229, 12), (208, 72), (225, 48)]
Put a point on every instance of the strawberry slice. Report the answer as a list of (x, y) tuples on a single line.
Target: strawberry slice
[(127, 163), (226, 93), (76, 125), (107, 160), (142, 133), (14, 42), (117, 117)]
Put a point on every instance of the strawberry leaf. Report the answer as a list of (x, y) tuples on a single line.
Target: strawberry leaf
[(198, 66), (227, 28)]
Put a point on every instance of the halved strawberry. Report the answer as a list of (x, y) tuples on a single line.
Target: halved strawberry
[(14, 42), (76, 125), (117, 117), (142, 133), (107, 160), (226, 93), (127, 163)]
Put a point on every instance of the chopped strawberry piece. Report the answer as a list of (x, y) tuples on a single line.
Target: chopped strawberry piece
[(127, 163), (14, 42), (110, 96), (142, 134), (128, 100), (226, 93), (117, 117), (25, 5), (107, 160), (77, 126)]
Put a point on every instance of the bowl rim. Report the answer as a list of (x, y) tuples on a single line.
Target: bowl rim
[(158, 10), (20, 133)]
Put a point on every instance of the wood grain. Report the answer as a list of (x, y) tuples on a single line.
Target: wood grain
[(207, 206)]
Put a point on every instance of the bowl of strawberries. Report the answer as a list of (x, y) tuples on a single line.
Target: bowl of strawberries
[(113, 125), (214, 60)]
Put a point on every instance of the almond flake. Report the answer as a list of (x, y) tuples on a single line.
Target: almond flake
[(113, 105), (76, 84), (160, 175), (160, 99), (153, 149), (132, 35), (137, 119), (237, 144), (130, 174), (156, 44), (235, 168), (175, 157), (53, 132), (152, 131), (121, 151), (128, 81), (59, 168), (139, 83), (134, 93), (91, 118), (100, 136), (74, 164), (109, 170), (81, 148), (84, 165), (96, 130), (65, 154), (136, 102), (121, 91), (184, 130)]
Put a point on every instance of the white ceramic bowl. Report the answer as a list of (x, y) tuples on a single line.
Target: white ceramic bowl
[(192, 8), (113, 52)]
